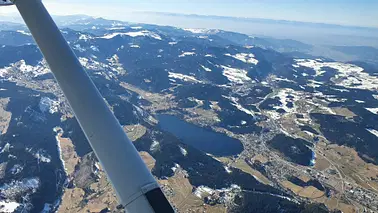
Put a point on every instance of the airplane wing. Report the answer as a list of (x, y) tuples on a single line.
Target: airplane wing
[(136, 188)]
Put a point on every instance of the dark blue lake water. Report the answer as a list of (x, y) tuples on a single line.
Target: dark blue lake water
[(206, 140)]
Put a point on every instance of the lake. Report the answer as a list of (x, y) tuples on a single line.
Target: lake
[(203, 139)]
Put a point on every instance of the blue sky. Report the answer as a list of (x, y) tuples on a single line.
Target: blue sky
[(344, 12)]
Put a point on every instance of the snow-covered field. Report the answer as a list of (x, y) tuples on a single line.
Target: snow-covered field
[(202, 190), (349, 75), (318, 64), (227, 195), (286, 96)]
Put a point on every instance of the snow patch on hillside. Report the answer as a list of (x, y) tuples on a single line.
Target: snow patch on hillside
[(317, 65), (373, 110), (102, 68), (275, 78), (12, 191), (183, 77), (21, 66), (85, 37), (79, 48), (227, 169), (241, 108), (286, 96), (313, 83), (145, 33), (116, 28), (199, 102), (333, 98), (349, 75), (24, 67), (206, 69), (6, 148), (46, 208), (214, 105), (273, 115), (155, 145), (202, 190), (177, 166), (48, 105), (373, 131), (183, 151), (94, 48), (201, 31), (24, 33), (4, 71), (17, 168), (235, 75), (42, 156), (187, 54), (225, 195), (245, 57), (8, 207), (19, 187)]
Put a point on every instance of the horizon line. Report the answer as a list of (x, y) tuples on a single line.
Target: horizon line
[(241, 18), (256, 18)]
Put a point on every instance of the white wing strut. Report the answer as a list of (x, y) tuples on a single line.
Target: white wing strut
[(136, 188)]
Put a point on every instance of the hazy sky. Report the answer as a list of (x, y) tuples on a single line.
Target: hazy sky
[(344, 12)]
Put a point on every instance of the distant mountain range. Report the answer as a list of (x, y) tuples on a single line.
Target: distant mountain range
[(294, 47), (261, 20)]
